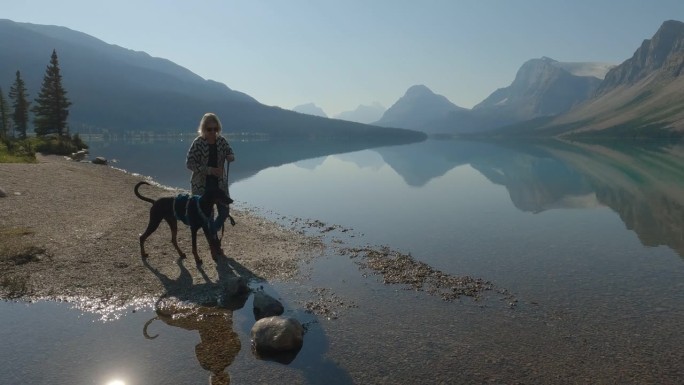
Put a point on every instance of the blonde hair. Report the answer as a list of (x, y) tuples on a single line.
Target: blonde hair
[(208, 117)]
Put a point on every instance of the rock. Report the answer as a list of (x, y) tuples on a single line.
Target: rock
[(266, 306), (3, 193), (79, 155), (234, 293), (277, 334), (100, 160), (235, 286)]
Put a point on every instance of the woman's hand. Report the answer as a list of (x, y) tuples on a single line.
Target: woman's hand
[(230, 158)]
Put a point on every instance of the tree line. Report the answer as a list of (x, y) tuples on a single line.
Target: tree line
[(50, 111)]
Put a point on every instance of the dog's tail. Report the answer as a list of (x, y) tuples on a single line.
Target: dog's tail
[(149, 337), (135, 190)]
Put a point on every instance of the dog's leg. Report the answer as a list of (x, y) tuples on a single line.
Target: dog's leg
[(213, 241), (193, 231), (153, 224), (173, 224)]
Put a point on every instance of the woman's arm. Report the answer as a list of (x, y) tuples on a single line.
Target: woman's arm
[(193, 160), (230, 155)]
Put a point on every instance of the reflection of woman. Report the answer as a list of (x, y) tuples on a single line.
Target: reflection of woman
[(218, 347), (219, 344), (206, 158)]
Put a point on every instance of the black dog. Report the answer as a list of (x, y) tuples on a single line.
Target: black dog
[(193, 210)]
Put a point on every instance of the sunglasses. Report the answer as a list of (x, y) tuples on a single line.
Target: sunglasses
[(211, 129)]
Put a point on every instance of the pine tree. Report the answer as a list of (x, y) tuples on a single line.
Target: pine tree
[(52, 105), (20, 103), (4, 116)]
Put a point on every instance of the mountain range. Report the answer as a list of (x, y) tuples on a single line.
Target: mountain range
[(542, 87), (310, 109), (363, 113), (639, 97), (114, 89), (366, 114), (419, 108)]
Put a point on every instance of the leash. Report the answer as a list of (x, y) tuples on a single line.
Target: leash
[(223, 226), (232, 221)]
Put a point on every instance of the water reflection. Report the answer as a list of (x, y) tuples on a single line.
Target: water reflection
[(164, 160), (219, 343), (594, 307), (643, 184)]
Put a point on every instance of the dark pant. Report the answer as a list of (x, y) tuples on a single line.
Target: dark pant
[(217, 223)]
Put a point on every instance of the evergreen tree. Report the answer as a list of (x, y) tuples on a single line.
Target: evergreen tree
[(52, 105), (20, 103), (4, 116)]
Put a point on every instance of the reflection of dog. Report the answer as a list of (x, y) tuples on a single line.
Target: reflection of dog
[(194, 211)]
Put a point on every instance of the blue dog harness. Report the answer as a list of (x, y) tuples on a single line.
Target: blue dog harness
[(181, 205)]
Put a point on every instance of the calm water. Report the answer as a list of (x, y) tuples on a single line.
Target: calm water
[(589, 239)]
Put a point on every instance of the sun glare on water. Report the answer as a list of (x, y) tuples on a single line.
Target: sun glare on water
[(116, 382)]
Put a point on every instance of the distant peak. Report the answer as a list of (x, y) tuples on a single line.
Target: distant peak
[(672, 24), (310, 109), (306, 105), (669, 30), (417, 90), (543, 60)]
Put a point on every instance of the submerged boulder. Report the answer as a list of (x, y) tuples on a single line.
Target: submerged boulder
[(277, 334)]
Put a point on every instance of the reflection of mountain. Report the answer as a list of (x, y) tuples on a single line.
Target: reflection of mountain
[(535, 180), (257, 155), (422, 162), (645, 186), (310, 164), (365, 159), (165, 160)]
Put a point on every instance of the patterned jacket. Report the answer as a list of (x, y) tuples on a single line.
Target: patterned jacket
[(197, 159)]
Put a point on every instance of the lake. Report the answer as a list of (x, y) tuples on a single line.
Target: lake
[(584, 243)]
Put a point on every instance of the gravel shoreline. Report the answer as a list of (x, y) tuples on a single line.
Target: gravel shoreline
[(69, 231)]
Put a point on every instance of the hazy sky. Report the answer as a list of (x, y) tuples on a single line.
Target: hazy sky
[(339, 54)]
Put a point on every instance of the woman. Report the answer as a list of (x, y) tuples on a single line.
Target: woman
[(208, 154)]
